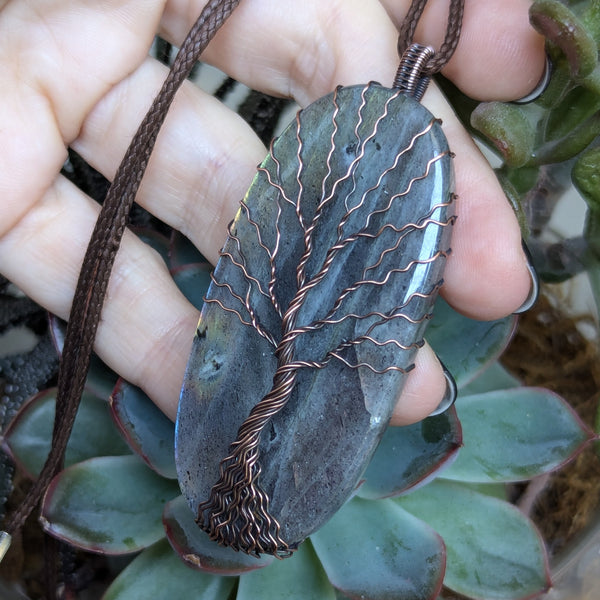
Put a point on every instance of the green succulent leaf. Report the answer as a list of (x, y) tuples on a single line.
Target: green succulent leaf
[(557, 23), (147, 430), (586, 177), (30, 433), (591, 18), (559, 85), (516, 434), (158, 573), (494, 551), (411, 455), (578, 139), (514, 196), (197, 550), (100, 379), (495, 377), (495, 490), (300, 577), (108, 504), (578, 105), (193, 281), (508, 128), (464, 345), (376, 550)]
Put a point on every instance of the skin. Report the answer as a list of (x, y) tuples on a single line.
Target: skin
[(77, 73)]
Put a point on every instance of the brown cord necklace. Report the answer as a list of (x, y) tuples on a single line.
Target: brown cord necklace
[(235, 508)]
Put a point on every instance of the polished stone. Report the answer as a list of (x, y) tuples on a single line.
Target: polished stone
[(364, 176)]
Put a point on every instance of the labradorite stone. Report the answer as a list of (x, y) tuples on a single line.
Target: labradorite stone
[(378, 165)]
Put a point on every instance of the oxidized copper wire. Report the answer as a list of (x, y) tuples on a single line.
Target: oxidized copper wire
[(409, 77)]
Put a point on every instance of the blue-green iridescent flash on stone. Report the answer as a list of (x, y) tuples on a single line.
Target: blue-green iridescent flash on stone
[(316, 309)]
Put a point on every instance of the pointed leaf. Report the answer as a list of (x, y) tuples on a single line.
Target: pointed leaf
[(376, 550), (494, 551), (108, 504), (158, 573), (197, 550), (322, 294), (516, 434), (494, 377), (508, 128), (100, 380), (411, 455), (30, 433), (300, 577), (464, 345), (147, 430)]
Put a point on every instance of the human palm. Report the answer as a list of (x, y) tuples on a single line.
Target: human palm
[(77, 73)]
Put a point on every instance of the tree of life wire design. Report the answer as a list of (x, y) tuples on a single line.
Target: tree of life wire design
[(236, 514)]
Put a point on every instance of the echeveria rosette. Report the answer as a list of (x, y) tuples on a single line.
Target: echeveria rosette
[(384, 541)]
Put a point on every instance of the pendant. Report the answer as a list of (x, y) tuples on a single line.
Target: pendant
[(316, 309)]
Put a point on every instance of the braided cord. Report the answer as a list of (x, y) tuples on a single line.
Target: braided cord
[(453, 29), (102, 250)]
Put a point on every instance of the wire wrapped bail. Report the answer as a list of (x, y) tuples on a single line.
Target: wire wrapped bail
[(410, 78)]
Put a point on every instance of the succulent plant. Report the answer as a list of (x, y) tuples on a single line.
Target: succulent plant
[(431, 508), (553, 144)]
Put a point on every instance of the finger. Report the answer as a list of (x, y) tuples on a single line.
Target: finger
[(60, 58), (147, 326), (318, 44), (323, 44), (486, 276), (499, 55), (206, 156), (202, 164), (423, 391)]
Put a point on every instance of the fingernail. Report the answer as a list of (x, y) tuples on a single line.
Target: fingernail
[(449, 396), (540, 87), (534, 290)]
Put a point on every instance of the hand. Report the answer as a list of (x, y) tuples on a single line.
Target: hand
[(78, 74)]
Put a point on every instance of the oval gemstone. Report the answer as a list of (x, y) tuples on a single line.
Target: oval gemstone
[(316, 308)]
